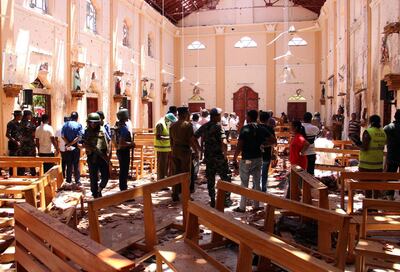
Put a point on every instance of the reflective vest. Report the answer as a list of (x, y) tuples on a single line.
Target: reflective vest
[(373, 157), (162, 145)]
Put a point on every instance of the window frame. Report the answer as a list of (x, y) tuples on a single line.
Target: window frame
[(125, 35), (43, 8), (91, 17), (250, 43), (196, 45)]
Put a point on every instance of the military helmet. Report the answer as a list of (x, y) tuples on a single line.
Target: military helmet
[(94, 117), (123, 114)]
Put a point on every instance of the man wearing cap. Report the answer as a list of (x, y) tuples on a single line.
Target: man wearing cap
[(96, 145), (28, 147), (13, 133), (215, 153), (124, 143), (182, 139), (72, 133), (162, 144)]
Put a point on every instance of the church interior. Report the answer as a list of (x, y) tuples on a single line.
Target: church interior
[(200, 135)]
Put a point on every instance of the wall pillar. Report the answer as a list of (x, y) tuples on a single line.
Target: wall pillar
[(220, 67), (270, 77), (162, 107), (177, 69), (317, 57)]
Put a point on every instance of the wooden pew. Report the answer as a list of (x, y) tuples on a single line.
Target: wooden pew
[(143, 130), (145, 191), (368, 250), (328, 221), (22, 164), (45, 244), (366, 181), (144, 144), (186, 254), (309, 183)]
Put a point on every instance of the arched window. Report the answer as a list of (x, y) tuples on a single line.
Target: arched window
[(196, 45), (125, 34), (245, 42), (297, 41), (40, 5), (150, 45), (90, 16)]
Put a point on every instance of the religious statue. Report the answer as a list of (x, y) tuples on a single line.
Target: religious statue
[(76, 84), (118, 86), (128, 86), (165, 88), (384, 51), (323, 91), (144, 90)]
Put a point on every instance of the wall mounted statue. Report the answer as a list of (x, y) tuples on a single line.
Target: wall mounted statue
[(76, 80), (117, 86)]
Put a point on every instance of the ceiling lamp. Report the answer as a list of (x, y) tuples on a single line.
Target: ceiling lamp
[(297, 41)]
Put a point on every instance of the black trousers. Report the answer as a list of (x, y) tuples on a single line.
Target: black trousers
[(63, 162), (72, 165), (12, 153), (124, 161), (47, 166), (392, 166), (311, 163), (97, 165)]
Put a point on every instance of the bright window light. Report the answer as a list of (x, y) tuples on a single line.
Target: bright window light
[(297, 41), (196, 45), (246, 42)]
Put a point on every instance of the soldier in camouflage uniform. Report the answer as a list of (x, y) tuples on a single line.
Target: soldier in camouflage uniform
[(96, 145), (28, 146), (14, 133), (215, 153)]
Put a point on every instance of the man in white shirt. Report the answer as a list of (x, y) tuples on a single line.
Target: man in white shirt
[(225, 124), (233, 125), (61, 145), (312, 133), (45, 141)]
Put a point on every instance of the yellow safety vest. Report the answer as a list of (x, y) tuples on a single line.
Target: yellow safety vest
[(162, 145), (373, 157)]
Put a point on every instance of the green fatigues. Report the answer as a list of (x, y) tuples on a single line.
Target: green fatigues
[(163, 149), (97, 158), (216, 162), (28, 147), (181, 133)]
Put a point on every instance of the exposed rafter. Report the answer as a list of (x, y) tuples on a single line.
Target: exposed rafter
[(173, 8)]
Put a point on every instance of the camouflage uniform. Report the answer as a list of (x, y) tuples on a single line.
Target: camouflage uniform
[(14, 131), (97, 148), (28, 147), (214, 158)]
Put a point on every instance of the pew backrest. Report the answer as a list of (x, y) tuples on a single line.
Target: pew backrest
[(45, 244)]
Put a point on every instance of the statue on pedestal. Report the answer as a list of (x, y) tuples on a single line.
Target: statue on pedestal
[(76, 80)]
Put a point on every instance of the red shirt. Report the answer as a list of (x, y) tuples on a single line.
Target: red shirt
[(296, 146)]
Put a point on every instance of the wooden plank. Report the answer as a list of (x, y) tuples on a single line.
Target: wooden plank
[(261, 243), (8, 255), (28, 262), (94, 226), (56, 160), (375, 249), (6, 222), (150, 228), (77, 247), (41, 252), (245, 258)]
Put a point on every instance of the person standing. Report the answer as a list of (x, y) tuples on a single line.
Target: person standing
[(71, 133), (225, 124), (96, 146), (337, 124), (162, 144), (105, 125), (182, 140), (251, 137), (173, 110), (124, 144), (392, 131), (61, 146), (316, 121), (312, 133), (13, 134), (266, 149), (271, 120), (233, 125), (354, 129), (204, 117), (215, 145), (371, 149), (46, 142), (28, 147), (195, 162)]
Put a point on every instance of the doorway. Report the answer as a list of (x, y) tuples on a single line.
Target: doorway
[(150, 114), (296, 110), (92, 104), (244, 99), (41, 104)]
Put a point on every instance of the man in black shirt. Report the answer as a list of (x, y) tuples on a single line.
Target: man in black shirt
[(267, 151), (393, 145), (251, 137)]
